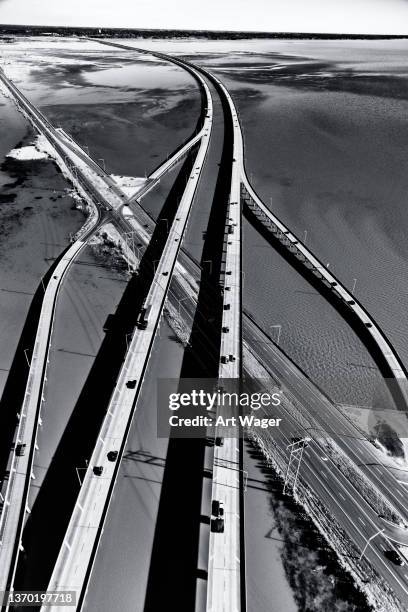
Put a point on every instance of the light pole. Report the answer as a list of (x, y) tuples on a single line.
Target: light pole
[(369, 540), (28, 361), (305, 238), (354, 286), (103, 163), (127, 340), (81, 468), (245, 475), (279, 327)]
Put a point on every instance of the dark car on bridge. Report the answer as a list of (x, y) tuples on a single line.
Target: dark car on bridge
[(20, 450), (394, 556), (217, 518), (112, 455), (217, 525), (217, 508)]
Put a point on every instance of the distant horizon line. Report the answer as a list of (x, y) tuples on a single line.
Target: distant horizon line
[(194, 32)]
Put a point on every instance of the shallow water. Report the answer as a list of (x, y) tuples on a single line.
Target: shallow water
[(334, 164), (131, 109), (324, 127), (36, 218)]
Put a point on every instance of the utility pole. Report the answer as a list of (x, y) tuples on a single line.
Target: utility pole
[(296, 454)]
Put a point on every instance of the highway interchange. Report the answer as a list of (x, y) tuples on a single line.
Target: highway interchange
[(324, 479)]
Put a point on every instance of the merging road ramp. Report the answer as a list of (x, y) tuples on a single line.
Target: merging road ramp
[(225, 590), (74, 563)]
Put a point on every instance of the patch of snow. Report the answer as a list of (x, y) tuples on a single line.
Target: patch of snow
[(126, 211), (129, 184), (28, 153)]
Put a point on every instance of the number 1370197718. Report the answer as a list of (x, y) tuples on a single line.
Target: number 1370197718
[(30, 598)]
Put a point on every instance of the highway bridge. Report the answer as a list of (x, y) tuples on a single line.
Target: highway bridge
[(15, 493), (81, 541), (226, 558), (15, 496)]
